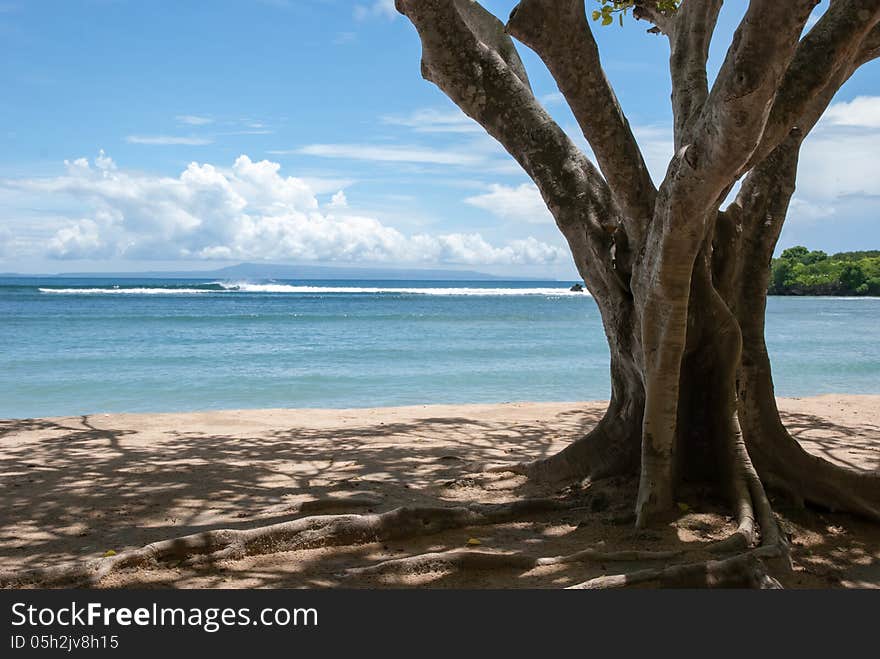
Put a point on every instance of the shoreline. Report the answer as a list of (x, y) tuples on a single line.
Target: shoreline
[(405, 409)]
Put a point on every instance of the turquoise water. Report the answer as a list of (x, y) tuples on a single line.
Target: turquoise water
[(81, 346)]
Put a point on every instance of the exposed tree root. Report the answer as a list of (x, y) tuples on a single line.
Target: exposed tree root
[(327, 504), (303, 533), (786, 466), (742, 571), (467, 559), (747, 569), (611, 448)]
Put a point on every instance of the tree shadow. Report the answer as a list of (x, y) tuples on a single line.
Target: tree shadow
[(854, 445), (77, 487)]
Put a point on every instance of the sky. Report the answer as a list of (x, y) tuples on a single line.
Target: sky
[(191, 135)]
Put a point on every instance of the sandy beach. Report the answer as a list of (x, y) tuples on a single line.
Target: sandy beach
[(76, 487)]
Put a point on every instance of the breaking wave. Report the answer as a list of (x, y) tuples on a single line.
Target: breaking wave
[(292, 289)]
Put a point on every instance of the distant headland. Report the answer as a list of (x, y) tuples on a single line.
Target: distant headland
[(799, 271)]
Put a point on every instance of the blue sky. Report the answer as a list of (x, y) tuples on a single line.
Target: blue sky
[(141, 135)]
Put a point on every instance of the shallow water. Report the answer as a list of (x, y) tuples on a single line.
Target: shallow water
[(81, 346)]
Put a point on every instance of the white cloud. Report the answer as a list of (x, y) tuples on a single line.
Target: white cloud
[(322, 185), (861, 112), (338, 200), (248, 211), (104, 162), (522, 203), (836, 165), (165, 140), (431, 120), (839, 158), (193, 120), (81, 240), (379, 8), (802, 210), (391, 153)]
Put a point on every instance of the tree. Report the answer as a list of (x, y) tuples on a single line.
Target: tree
[(681, 283), (797, 253), (852, 277)]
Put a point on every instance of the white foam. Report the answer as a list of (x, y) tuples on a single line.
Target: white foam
[(243, 287), (126, 291), (287, 288)]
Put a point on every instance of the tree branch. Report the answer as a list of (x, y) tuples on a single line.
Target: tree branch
[(823, 61), (762, 202), (690, 37), (558, 31), (735, 114), (466, 53), (870, 47), (646, 10)]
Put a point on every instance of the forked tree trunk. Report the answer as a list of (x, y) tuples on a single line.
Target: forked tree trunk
[(681, 285)]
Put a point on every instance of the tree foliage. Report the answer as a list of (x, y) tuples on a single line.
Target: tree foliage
[(799, 271), (609, 8)]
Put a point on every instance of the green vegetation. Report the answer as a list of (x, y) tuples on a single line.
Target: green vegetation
[(798, 271), (621, 7)]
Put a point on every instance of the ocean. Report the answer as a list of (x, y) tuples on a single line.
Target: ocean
[(86, 346)]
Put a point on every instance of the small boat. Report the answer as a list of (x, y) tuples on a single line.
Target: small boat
[(577, 288)]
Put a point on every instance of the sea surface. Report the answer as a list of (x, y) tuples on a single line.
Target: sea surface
[(84, 346)]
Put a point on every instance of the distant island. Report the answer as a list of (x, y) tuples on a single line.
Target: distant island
[(276, 271), (798, 271)]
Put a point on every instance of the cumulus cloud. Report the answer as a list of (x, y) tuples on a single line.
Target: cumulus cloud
[(339, 200), (522, 203), (839, 158), (862, 112), (249, 211)]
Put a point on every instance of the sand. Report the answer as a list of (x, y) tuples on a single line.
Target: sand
[(75, 487)]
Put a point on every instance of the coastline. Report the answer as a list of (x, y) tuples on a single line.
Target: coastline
[(77, 487)]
